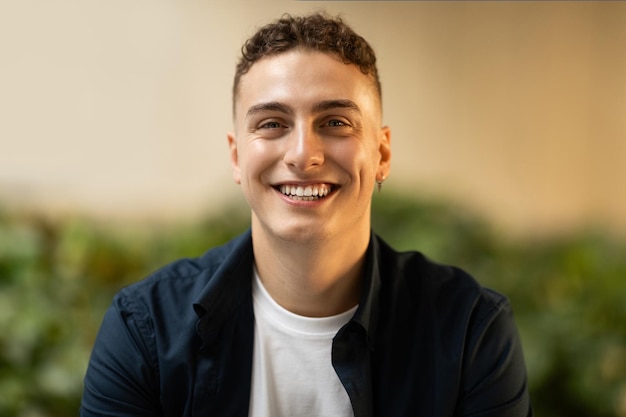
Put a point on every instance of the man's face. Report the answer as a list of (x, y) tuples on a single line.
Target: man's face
[(308, 146)]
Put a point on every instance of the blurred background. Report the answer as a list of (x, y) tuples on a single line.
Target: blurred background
[(509, 138)]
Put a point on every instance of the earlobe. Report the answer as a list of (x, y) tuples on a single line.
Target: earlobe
[(234, 157)]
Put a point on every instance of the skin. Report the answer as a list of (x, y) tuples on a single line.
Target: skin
[(306, 119)]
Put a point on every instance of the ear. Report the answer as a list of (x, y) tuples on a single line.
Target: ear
[(234, 156), (384, 149)]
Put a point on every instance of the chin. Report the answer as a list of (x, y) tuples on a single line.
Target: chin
[(302, 235), (297, 232)]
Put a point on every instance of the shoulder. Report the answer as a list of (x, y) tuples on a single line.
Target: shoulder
[(437, 287), (424, 300), (179, 282)]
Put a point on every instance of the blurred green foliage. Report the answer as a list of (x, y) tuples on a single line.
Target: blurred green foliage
[(58, 277)]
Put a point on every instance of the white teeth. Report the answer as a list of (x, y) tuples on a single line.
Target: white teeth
[(309, 192)]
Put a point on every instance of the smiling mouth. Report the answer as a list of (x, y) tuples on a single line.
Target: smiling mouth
[(306, 192)]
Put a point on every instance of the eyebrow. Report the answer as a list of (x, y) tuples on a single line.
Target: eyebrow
[(272, 106), (322, 106)]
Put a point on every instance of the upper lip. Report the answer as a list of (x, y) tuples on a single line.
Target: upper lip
[(303, 183), (330, 185)]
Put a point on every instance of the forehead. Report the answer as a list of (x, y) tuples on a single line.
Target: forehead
[(303, 77)]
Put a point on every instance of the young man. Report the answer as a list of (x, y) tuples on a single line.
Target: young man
[(309, 313)]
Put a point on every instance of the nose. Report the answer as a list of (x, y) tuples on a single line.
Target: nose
[(305, 149)]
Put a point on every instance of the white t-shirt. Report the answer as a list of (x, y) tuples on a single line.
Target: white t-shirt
[(292, 373)]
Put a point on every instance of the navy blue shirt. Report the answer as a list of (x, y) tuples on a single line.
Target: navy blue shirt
[(426, 340)]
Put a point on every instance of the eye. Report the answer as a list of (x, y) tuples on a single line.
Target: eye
[(270, 128), (270, 125), (335, 123)]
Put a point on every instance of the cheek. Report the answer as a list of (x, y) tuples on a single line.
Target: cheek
[(356, 158), (254, 159)]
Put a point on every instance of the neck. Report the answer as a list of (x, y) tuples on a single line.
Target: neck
[(316, 278)]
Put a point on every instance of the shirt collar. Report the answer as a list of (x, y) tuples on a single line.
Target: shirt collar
[(367, 313), (230, 284)]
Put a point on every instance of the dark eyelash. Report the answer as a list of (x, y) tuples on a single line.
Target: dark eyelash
[(274, 125), (337, 123)]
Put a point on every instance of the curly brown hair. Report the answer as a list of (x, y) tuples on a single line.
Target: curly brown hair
[(315, 32)]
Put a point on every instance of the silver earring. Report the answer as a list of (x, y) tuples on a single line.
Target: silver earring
[(379, 183)]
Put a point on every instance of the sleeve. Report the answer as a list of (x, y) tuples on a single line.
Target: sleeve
[(494, 374), (122, 376)]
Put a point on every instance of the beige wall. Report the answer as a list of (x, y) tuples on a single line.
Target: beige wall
[(120, 108)]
